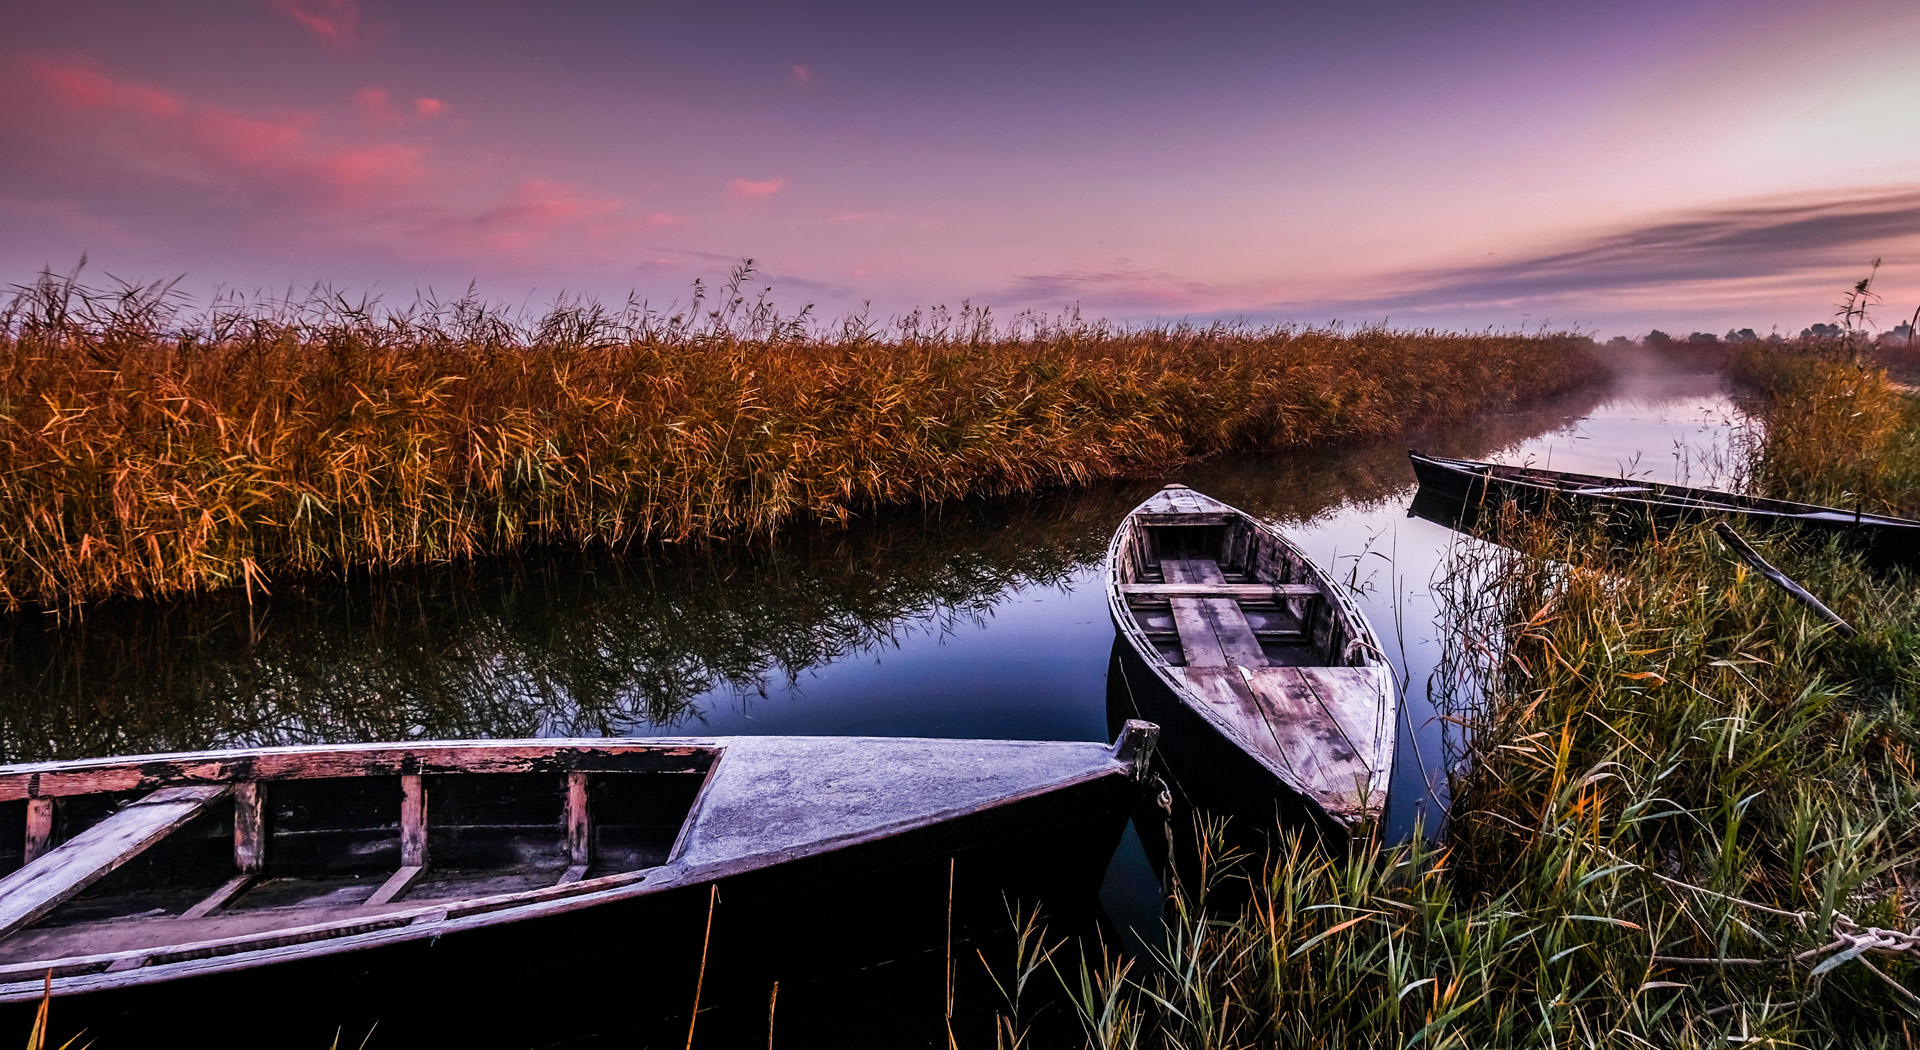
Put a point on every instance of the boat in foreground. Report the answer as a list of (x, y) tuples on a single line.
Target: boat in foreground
[(1473, 484), (1269, 681), (300, 879)]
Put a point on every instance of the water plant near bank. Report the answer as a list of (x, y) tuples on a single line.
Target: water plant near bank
[(143, 452), (1685, 814)]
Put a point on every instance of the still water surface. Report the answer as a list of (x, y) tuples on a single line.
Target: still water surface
[(979, 620)]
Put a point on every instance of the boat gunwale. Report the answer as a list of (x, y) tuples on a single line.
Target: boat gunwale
[(72, 777)]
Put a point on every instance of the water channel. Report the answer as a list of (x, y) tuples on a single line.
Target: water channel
[(983, 619)]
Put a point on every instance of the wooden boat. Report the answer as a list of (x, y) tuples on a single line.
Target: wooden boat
[(1269, 681), (310, 879), (1473, 484)]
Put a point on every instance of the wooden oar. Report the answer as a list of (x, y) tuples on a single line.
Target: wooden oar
[(1800, 594)]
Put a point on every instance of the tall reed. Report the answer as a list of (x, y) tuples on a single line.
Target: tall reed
[(1837, 431), (145, 453)]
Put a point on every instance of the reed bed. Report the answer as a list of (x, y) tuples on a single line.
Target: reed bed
[(1686, 814), (1838, 431), (147, 453)]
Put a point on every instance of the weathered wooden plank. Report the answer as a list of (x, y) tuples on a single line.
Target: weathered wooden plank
[(39, 829), (574, 873), (220, 898), (579, 822), (1197, 640), (59, 874), (1276, 591), (1354, 698), (1337, 776), (1232, 639), (249, 828), (1225, 694), (397, 883), (50, 780), (413, 821)]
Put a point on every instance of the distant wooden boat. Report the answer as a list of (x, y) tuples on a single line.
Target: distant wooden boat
[(1474, 484), (1269, 681), (327, 875)]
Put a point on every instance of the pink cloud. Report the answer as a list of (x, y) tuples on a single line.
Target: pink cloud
[(746, 189), (378, 107), (334, 23), (81, 86), (862, 216), (301, 180), (802, 75), (163, 133)]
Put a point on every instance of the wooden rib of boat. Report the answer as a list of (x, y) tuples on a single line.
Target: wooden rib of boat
[(1473, 484), (343, 870), (1269, 681)]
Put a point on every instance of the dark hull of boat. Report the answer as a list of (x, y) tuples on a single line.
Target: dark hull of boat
[(1881, 540), (1214, 774), (624, 965)]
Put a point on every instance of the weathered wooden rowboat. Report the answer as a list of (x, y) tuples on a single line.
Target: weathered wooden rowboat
[(302, 878), (1475, 485), (1269, 681)]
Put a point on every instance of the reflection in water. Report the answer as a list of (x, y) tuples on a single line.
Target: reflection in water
[(568, 645)]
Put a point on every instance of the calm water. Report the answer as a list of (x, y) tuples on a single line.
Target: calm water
[(982, 620)]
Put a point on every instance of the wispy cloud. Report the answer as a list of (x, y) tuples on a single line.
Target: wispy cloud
[(380, 109), (336, 24), (147, 127), (1121, 289), (292, 178), (1733, 243), (748, 189), (802, 75), (1739, 259)]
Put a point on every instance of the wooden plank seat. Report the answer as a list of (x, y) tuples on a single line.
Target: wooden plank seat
[(1213, 631), (1240, 591), (61, 873)]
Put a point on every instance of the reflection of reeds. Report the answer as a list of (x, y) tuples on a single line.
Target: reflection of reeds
[(145, 455)]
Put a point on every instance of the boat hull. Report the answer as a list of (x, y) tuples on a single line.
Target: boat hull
[(1473, 491), (642, 954)]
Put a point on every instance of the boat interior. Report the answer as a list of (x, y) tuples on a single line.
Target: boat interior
[(118, 858), (1209, 589)]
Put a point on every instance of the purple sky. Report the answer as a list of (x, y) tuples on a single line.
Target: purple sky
[(1611, 167)]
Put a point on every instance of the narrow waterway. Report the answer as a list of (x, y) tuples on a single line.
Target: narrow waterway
[(986, 619)]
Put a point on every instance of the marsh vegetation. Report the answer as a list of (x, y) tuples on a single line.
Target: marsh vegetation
[(1684, 812), (145, 452)]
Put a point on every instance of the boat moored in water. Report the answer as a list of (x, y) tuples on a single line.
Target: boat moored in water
[(1474, 485), (299, 879), (1269, 680)]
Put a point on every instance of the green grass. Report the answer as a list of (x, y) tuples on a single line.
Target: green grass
[(146, 454), (1682, 796)]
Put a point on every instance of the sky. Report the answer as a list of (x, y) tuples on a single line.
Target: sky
[(1607, 168)]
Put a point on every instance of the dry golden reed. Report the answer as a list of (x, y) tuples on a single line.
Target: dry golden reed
[(142, 454)]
